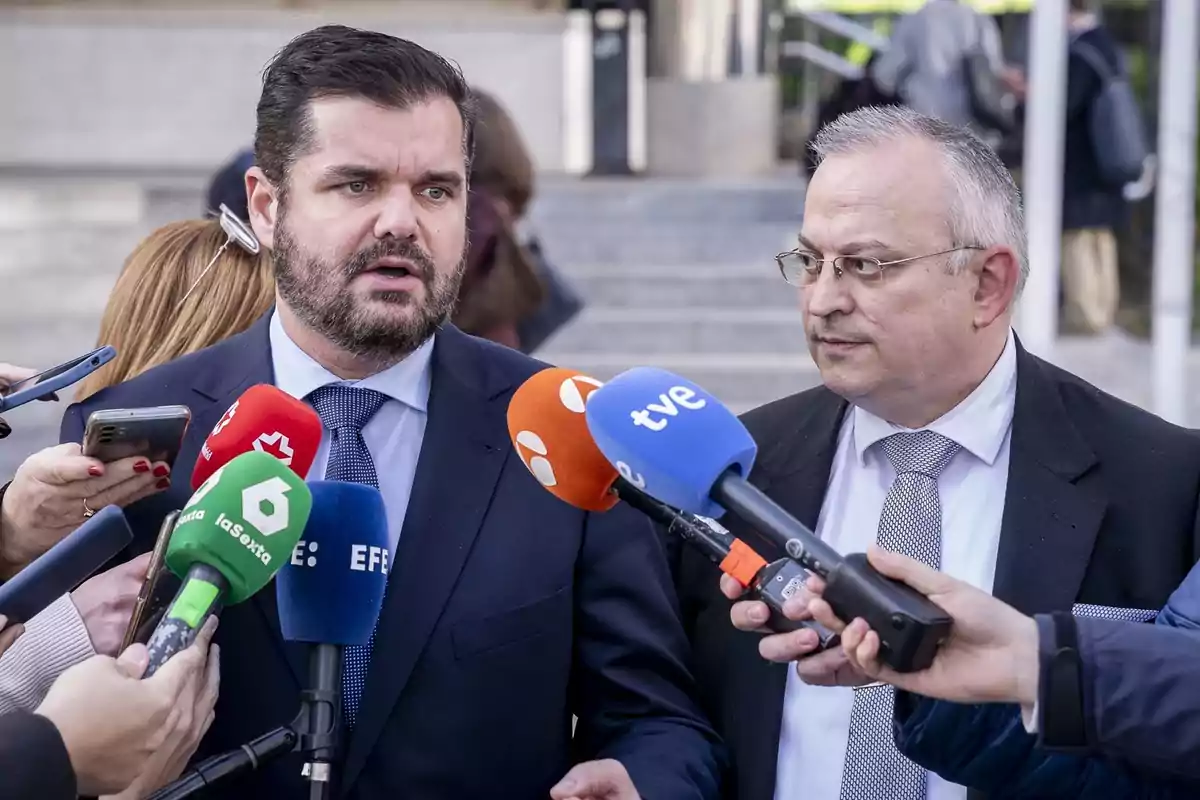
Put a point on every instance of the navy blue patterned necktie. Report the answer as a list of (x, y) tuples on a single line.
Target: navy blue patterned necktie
[(344, 410)]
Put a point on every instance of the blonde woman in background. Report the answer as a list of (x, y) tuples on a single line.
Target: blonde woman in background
[(151, 318)]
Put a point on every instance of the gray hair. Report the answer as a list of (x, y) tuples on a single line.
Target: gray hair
[(988, 210)]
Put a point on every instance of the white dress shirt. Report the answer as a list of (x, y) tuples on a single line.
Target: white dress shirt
[(393, 436), (816, 719)]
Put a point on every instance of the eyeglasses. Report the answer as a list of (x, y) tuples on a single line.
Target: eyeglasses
[(803, 267)]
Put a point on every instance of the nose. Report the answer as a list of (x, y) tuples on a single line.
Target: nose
[(827, 295), (397, 215)]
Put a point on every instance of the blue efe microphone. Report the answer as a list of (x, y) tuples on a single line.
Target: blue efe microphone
[(329, 596), (331, 592), (668, 437), (681, 446)]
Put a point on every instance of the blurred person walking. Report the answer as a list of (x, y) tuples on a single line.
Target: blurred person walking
[(1093, 205)]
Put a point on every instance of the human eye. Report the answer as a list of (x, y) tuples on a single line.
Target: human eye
[(437, 194)]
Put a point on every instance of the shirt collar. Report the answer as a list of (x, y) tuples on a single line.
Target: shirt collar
[(978, 424), (298, 374)]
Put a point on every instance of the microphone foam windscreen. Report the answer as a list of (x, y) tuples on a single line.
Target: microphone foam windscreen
[(331, 591), (668, 437), (549, 430), (243, 521), (266, 419)]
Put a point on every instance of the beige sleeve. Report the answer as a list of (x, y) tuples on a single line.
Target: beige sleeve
[(54, 641)]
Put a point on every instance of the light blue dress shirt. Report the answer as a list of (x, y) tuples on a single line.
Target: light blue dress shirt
[(393, 436)]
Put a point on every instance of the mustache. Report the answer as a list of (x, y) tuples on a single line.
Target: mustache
[(824, 332), (391, 248)]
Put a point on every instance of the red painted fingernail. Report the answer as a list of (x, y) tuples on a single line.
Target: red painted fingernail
[(95, 472), (164, 483), (161, 472), (141, 466)]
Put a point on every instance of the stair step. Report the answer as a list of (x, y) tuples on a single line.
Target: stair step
[(666, 200), (716, 285), (700, 329), (605, 241)]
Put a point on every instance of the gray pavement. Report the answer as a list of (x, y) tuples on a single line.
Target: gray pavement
[(678, 275)]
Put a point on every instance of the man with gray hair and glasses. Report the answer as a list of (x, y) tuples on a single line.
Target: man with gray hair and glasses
[(936, 435)]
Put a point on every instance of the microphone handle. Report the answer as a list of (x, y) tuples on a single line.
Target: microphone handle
[(201, 595), (322, 704), (773, 583), (910, 626), (249, 756)]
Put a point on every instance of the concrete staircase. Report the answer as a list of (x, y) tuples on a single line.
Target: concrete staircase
[(679, 275)]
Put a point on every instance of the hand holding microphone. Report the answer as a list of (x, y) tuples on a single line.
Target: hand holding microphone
[(677, 443), (232, 536), (119, 729)]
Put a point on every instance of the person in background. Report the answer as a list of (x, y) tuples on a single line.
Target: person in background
[(1092, 207), (165, 305), (228, 185), (503, 174), (946, 61)]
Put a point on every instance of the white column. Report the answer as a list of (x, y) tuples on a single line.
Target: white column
[(1174, 220), (577, 93), (1042, 173)]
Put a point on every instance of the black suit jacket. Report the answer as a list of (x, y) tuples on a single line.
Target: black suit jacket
[(1101, 507), (33, 759), (507, 610)]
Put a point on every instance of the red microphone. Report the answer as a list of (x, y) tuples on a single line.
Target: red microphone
[(267, 419)]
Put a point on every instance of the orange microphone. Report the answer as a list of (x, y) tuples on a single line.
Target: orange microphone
[(549, 431)]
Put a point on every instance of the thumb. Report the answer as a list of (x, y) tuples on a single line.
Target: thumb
[(584, 780), (924, 579), (133, 662)]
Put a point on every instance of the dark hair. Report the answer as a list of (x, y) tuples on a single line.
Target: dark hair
[(338, 61)]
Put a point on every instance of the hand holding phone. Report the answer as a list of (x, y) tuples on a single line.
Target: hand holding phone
[(43, 385), (154, 433)]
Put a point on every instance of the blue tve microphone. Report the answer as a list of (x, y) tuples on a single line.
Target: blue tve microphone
[(678, 444), (668, 437), (329, 596)]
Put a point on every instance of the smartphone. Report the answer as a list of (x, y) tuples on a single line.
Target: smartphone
[(155, 433), (50, 381), (150, 602)]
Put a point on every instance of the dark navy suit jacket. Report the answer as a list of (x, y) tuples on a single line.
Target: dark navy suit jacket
[(507, 611)]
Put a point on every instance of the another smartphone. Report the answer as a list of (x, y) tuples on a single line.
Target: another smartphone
[(149, 604), (50, 381), (155, 433)]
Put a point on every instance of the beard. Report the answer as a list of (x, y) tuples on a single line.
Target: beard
[(318, 293)]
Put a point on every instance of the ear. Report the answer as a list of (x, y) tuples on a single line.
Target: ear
[(997, 273), (263, 205)]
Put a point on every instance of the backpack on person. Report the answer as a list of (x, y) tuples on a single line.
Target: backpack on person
[(1114, 121)]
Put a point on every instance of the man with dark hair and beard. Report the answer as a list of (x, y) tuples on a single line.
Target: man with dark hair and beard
[(507, 613)]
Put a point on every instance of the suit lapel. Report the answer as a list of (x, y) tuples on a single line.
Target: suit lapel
[(1050, 520), (794, 472), (463, 451)]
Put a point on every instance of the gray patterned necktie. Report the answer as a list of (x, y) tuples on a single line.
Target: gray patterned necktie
[(911, 523)]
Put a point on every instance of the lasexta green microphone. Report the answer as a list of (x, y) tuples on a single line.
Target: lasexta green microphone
[(233, 535)]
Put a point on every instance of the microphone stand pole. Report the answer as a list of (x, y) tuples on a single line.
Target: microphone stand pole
[(322, 717), (313, 732)]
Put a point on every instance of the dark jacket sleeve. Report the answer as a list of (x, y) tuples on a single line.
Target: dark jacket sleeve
[(1141, 715), (33, 760), (986, 747), (1141, 694), (632, 683)]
